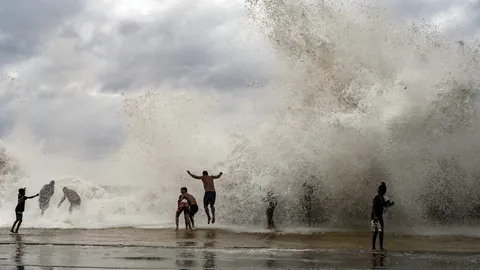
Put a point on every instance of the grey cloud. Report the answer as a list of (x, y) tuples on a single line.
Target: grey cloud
[(418, 9), (186, 46), (7, 119), (25, 24), (78, 124), (137, 55), (473, 17), (183, 52)]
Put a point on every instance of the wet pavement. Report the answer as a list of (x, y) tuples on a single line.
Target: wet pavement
[(220, 249)]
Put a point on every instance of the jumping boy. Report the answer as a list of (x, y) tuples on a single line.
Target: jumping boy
[(210, 193), (20, 208)]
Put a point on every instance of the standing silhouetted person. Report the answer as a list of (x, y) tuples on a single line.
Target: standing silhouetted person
[(307, 202), (379, 205), (46, 194), (20, 208), (210, 193), (272, 204), (72, 197)]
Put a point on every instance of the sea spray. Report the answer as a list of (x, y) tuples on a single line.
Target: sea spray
[(370, 100), (357, 99)]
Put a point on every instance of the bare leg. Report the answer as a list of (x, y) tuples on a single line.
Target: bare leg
[(44, 206), (207, 212), (15, 223), (193, 222), (213, 213), (176, 221), (270, 218), (18, 226), (381, 234), (381, 240), (187, 222)]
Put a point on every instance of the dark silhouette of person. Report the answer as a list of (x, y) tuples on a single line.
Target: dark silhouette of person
[(307, 202), (46, 194), (73, 198), (378, 207), (272, 204), (20, 208)]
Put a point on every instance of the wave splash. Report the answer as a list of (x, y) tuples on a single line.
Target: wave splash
[(370, 100), (362, 99)]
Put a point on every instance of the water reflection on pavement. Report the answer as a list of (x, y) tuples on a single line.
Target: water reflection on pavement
[(202, 249)]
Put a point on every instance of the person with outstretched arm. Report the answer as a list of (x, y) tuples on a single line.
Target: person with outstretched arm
[(210, 193), (20, 208), (73, 198)]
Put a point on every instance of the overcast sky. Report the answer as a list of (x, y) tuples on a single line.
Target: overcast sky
[(68, 65)]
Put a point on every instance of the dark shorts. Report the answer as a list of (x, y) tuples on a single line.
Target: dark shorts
[(19, 216), (193, 210), (209, 197)]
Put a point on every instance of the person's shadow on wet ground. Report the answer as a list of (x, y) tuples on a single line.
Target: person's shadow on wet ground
[(186, 258), (378, 261), (208, 255), (18, 257)]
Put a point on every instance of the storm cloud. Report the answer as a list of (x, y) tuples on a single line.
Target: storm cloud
[(68, 65)]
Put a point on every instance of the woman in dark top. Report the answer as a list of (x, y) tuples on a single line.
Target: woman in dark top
[(379, 204)]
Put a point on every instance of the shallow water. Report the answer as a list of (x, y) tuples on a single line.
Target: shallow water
[(130, 248)]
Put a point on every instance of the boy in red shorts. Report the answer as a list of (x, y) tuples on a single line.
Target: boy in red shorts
[(185, 208)]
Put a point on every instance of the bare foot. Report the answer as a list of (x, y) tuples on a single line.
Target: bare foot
[(213, 220), (208, 220), (176, 229)]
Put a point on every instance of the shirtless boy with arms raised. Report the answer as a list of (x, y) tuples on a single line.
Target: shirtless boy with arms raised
[(210, 193)]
